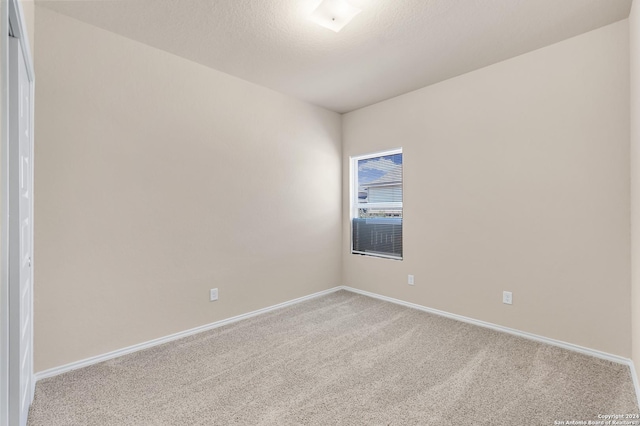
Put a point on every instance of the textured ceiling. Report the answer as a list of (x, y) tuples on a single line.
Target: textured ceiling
[(390, 48)]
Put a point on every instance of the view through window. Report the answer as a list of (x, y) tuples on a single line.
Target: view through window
[(376, 214)]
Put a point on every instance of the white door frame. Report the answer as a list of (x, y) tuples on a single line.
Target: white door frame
[(11, 19)]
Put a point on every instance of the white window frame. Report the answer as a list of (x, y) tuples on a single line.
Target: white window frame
[(353, 191)]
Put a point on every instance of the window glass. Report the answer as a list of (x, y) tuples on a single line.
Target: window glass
[(377, 204)]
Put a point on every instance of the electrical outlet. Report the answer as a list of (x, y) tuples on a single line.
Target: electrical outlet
[(410, 280), (507, 297), (213, 294)]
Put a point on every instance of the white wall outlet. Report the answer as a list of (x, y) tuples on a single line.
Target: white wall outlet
[(213, 294), (410, 280), (507, 297)]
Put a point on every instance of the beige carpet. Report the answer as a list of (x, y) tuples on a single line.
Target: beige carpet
[(341, 359)]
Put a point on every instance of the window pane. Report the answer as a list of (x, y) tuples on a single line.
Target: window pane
[(378, 236), (377, 222), (380, 179)]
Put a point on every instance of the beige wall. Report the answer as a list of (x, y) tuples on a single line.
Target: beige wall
[(634, 48), (516, 178), (158, 179)]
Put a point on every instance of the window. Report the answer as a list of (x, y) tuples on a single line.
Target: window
[(376, 204)]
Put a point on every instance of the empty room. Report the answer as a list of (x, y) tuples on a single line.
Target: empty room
[(318, 212)]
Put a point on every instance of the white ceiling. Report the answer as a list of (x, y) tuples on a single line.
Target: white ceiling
[(390, 48)]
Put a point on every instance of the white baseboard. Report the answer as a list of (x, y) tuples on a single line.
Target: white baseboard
[(559, 343), (155, 342), (530, 336), (569, 346)]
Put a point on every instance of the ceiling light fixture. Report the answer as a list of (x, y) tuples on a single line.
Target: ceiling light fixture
[(334, 14)]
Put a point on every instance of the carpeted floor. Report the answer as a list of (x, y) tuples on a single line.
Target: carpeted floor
[(340, 359)]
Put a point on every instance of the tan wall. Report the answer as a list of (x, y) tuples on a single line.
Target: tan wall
[(158, 179), (634, 49), (516, 178)]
